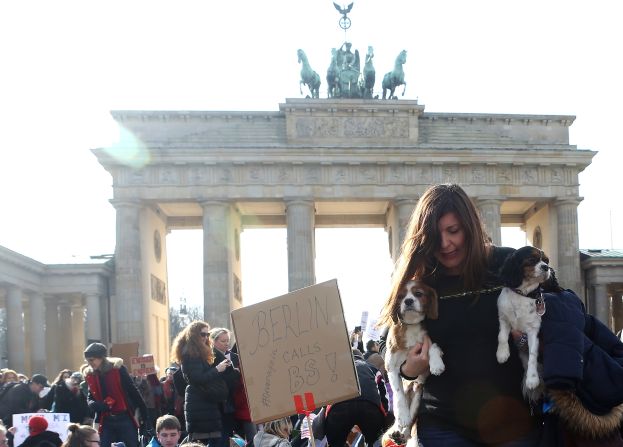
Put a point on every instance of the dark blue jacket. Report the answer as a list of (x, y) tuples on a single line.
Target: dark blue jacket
[(581, 354)]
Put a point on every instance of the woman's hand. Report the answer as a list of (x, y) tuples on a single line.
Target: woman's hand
[(223, 365), (417, 359)]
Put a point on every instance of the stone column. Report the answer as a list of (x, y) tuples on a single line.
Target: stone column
[(129, 315), (53, 345), (404, 209), (78, 339), (37, 334), (601, 301), (492, 218), (300, 220), (15, 329), (217, 272), (66, 335), (94, 317), (568, 268), (617, 310)]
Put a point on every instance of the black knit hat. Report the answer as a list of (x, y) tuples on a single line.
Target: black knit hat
[(96, 350)]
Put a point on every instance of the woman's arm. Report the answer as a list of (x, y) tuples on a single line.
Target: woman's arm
[(198, 371)]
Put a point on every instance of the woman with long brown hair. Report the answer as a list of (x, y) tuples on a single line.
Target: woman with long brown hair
[(207, 372), (476, 401)]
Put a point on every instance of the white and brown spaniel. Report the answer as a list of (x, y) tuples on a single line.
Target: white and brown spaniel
[(415, 302), (521, 305)]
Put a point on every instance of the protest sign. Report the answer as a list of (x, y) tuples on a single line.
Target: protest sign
[(292, 346), (142, 365), (57, 422), (124, 351)]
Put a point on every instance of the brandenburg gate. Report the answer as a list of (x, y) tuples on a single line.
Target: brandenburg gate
[(320, 163)]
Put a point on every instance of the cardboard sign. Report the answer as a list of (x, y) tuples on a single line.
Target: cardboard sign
[(142, 365), (57, 422), (292, 346), (124, 351)]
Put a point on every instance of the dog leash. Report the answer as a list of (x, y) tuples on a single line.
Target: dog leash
[(472, 292)]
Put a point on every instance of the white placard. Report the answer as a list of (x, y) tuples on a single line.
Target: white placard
[(57, 422)]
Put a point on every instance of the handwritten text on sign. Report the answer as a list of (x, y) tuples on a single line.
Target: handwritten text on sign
[(142, 365), (293, 344)]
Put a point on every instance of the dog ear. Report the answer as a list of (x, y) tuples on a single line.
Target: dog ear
[(551, 285), (511, 273), (432, 306)]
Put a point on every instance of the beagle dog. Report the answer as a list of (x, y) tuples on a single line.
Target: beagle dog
[(521, 305), (415, 302)]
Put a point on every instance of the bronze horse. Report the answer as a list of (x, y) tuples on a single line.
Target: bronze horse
[(333, 77), (369, 75), (308, 76), (395, 77)]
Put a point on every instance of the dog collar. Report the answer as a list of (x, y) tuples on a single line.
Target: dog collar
[(537, 295)]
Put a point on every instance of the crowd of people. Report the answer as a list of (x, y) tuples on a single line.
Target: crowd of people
[(201, 401)]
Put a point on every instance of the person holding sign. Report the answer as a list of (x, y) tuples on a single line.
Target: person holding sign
[(236, 415), (39, 435), (476, 400), (206, 371)]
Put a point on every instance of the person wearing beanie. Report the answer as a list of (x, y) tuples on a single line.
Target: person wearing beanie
[(39, 435), (113, 397)]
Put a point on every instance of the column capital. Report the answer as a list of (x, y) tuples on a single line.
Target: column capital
[(561, 201), (302, 201), (213, 201), (297, 199), (406, 199)]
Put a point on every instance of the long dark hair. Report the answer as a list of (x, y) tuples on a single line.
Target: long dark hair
[(422, 239), (189, 342)]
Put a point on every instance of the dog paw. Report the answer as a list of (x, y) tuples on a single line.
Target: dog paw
[(532, 381), (396, 436), (502, 353), (437, 367)]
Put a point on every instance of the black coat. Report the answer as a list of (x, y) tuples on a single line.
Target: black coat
[(67, 401), (43, 439), (201, 409), (18, 399)]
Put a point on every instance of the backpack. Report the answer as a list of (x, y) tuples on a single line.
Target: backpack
[(179, 382)]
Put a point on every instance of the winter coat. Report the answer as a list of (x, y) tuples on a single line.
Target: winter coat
[(582, 367), (238, 394), (207, 389), (70, 401), (125, 395), (18, 399), (43, 439), (263, 439)]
